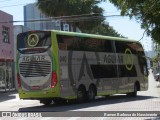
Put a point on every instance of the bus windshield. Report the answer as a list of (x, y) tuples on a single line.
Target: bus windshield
[(33, 42)]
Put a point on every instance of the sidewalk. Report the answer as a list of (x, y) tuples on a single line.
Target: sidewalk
[(153, 89), (8, 95)]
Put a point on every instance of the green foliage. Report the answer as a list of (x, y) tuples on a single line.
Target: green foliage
[(90, 23), (145, 11), (105, 29), (67, 7), (79, 7), (155, 59)]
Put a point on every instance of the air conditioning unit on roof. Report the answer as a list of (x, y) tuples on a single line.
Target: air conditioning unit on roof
[(65, 27)]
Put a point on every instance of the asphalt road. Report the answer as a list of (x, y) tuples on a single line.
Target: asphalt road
[(145, 101)]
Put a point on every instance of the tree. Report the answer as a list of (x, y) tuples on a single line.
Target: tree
[(105, 29), (84, 14), (68, 8), (145, 11)]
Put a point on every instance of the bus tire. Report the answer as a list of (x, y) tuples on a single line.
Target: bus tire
[(81, 94), (134, 93), (91, 93), (46, 101)]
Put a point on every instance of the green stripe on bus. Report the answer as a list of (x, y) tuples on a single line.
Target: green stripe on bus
[(55, 61), (93, 36)]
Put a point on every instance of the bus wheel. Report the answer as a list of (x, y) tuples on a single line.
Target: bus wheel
[(91, 93), (81, 95), (133, 94), (46, 101)]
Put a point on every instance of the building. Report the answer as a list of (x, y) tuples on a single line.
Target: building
[(6, 52), (31, 12)]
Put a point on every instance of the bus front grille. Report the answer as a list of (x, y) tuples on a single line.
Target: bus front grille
[(35, 68)]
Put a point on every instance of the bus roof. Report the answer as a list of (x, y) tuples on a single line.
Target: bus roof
[(93, 36)]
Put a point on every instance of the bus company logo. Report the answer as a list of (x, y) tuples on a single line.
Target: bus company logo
[(32, 40), (6, 114), (128, 59)]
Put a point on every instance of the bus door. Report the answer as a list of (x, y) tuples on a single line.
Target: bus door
[(66, 67), (64, 82), (110, 68), (116, 79), (121, 49), (126, 65)]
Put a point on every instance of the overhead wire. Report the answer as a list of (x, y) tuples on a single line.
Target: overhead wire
[(12, 5), (72, 18), (142, 35), (83, 17)]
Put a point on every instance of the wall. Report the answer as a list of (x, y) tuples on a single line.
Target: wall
[(31, 12), (6, 52), (6, 49)]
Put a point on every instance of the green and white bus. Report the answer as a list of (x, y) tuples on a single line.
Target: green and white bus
[(59, 66)]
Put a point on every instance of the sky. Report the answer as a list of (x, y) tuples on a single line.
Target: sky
[(123, 25)]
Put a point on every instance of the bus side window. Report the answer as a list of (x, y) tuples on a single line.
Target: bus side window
[(62, 46), (120, 46), (143, 64), (108, 46), (64, 42), (141, 59)]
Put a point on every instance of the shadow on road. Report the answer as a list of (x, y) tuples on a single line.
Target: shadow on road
[(8, 95), (74, 106)]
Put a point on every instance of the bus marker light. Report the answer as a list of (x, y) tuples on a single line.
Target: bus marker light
[(35, 87), (19, 80), (54, 80)]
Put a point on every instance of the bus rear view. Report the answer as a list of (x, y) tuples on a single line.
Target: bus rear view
[(61, 66), (36, 66)]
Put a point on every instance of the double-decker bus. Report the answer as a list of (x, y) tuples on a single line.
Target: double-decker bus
[(59, 66)]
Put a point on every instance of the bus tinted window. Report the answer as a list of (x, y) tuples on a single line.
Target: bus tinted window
[(142, 62), (123, 72), (122, 46), (33, 40), (84, 44), (104, 71), (135, 48)]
